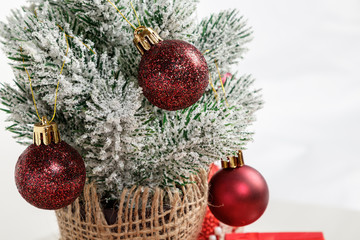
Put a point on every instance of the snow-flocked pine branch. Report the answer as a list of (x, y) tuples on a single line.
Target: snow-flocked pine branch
[(123, 139)]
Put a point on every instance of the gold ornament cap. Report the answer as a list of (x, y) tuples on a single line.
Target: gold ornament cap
[(145, 38), (46, 133), (234, 162)]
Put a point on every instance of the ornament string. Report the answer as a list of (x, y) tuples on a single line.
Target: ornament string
[(222, 84), (210, 80), (132, 25), (32, 91), (213, 88), (135, 13), (78, 39), (58, 83), (206, 51)]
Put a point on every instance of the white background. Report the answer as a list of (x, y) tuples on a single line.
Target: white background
[(306, 57)]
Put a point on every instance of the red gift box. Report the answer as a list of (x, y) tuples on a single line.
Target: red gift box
[(275, 236)]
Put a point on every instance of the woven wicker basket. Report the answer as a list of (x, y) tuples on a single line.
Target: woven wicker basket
[(141, 214)]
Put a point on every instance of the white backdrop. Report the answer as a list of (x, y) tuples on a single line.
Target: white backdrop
[(306, 57)]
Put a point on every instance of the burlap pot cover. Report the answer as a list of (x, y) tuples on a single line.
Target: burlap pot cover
[(142, 214)]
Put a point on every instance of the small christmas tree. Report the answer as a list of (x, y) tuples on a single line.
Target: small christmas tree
[(123, 139)]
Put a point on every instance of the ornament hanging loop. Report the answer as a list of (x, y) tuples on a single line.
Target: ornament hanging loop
[(145, 38), (234, 162), (46, 133), (44, 121)]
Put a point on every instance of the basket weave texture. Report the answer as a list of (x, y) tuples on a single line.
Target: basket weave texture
[(142, 214)]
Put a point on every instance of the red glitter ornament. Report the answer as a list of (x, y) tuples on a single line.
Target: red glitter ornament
[(50, 174), (238, 194), (172, 73)]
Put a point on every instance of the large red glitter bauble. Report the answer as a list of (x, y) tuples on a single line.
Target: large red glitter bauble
[(50, 177), (173, 75), (238, 197)]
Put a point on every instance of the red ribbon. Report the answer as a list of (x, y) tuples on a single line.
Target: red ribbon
[(275, 236)]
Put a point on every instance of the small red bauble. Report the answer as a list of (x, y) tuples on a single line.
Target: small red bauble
[(238, 194), (50, 176), (172, 73)]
